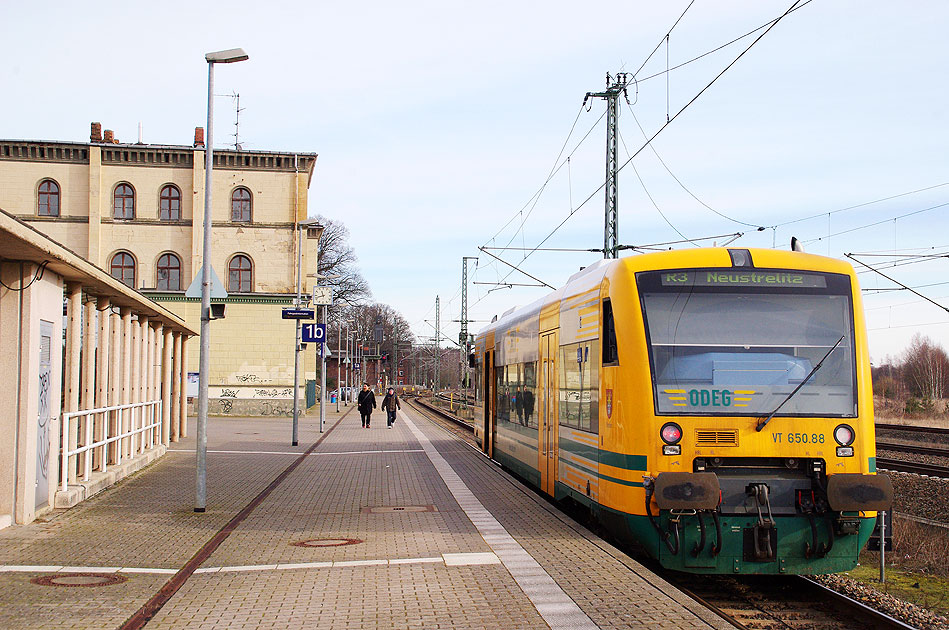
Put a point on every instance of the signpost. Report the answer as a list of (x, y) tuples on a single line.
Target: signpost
[(314, 333), (297, 313)]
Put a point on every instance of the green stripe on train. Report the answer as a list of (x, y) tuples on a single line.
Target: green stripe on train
[(592, 473), (617, 460)]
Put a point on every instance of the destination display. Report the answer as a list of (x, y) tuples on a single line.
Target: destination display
[(730, 278)]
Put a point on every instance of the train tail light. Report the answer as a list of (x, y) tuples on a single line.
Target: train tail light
[(844, 435), (671, 433)]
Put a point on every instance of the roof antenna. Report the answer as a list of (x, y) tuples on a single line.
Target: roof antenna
[(796, 245)]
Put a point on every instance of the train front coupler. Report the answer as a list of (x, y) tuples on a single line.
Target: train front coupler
[(683, 495)]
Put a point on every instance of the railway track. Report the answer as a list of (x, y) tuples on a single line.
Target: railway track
[(900, 465), (780, 602), (911, 429), (912, 448), (749, 603)]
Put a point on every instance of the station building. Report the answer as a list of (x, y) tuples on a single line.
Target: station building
[(93, 376), (136, 211)]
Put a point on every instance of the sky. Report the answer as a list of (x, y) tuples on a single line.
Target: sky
[(445, 126)]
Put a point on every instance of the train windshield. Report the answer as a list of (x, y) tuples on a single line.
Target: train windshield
[(738, 342)]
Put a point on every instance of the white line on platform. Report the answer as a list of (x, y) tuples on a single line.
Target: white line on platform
[(552, 603), (449, 559), (410, 450)]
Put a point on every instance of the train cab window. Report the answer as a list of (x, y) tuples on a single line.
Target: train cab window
[(610, 354), (739, 343)]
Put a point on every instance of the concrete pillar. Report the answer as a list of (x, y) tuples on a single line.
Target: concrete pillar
[(176, 390), (88, 398), (120, 364), (150, 340), (166, 366), (73, 368), (103, 358), (184, 386), (135, 393)]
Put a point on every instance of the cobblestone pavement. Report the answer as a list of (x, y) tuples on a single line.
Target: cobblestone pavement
[(405, 552)]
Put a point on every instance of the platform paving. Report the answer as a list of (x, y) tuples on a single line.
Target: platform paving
[(441, 538)]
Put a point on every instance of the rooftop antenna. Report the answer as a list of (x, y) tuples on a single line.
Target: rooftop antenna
[(237, 118)]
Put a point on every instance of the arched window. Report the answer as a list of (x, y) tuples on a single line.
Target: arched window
[(240, 205), (169, 273), (239, 275), (123, 269), (169, 203), (47, 201), (123, 202)]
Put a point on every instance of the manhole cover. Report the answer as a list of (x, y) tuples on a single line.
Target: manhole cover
[(389, 509), (327, 542), (79, 579)]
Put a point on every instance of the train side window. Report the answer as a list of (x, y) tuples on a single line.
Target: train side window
[(610, 352)]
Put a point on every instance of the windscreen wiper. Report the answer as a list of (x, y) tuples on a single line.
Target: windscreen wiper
[(764, 421)]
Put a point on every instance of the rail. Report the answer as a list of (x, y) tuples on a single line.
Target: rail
[(911, 429), (143, 420), (444, 414), (912, 448), (913, 467)]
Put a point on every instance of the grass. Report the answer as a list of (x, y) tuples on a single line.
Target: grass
[(917, 570), (925, 590)]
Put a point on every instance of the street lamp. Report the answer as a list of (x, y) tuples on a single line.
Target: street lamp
[(314, 230), (204, 367)]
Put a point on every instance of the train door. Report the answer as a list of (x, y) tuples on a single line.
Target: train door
[(490, 402), (549, 418)]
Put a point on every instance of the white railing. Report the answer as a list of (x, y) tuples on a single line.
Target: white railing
[(133, 428)]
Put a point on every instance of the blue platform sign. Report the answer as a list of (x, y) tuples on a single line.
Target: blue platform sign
[(313, 333), (297, 313)]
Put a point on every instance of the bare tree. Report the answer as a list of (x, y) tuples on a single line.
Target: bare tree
[(338, 263), (925, 368)]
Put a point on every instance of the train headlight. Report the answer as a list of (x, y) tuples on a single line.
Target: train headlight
[(670, 433), (844, 435)]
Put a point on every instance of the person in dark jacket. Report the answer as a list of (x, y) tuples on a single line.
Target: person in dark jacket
[(366, 403), (389, 404)]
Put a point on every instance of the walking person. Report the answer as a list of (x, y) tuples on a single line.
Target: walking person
[(366, 403), (390, 404)]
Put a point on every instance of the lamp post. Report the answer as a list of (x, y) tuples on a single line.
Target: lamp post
[(204, 366), (314, 230)]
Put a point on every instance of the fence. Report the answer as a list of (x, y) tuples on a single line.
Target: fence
[(129, 429)]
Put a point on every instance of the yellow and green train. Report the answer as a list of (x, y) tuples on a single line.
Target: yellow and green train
[(712, 405)]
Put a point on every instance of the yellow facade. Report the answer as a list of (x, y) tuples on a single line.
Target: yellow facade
[(252, 345)]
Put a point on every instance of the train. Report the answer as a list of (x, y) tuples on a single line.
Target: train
[(712, 406)]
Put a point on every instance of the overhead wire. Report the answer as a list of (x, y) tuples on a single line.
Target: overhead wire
[(767, 26), (649, 195), (875, 223), (669, 122), (683, 186)]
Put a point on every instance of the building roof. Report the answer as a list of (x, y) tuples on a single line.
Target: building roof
[(22, 242)]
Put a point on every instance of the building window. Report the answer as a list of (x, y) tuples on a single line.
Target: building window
[(239, 272), (123, 269), (47, 203), (169, 273), (240, 205), (123, 202), (169, 203)]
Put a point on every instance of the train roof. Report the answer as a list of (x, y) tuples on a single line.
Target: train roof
[(593, 274)]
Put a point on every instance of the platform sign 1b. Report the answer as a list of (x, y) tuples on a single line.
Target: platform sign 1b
[(313, 333)]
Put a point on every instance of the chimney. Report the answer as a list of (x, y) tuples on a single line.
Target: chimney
[(107, 137), (199, 137), (95, 134)]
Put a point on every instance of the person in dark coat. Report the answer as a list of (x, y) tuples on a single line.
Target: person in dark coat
[(366, 403), (389, 404)]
